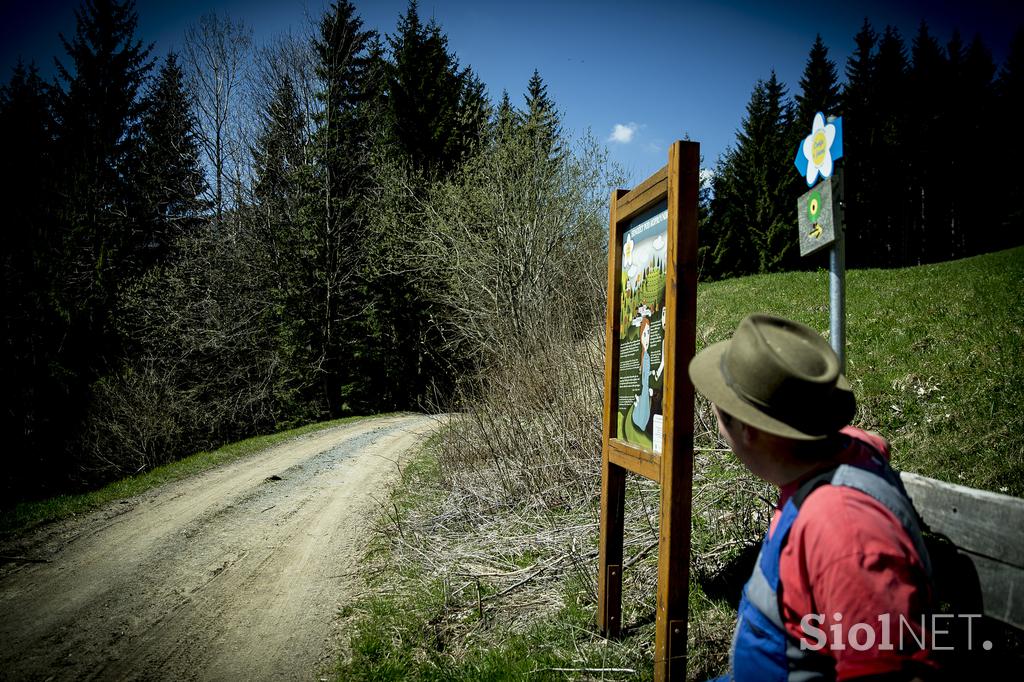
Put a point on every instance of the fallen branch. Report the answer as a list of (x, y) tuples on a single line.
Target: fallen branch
[(640, 555), (505, 574), (524, 580)]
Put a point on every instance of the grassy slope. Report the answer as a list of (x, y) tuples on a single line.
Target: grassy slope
[(29, 514), (936, 354)]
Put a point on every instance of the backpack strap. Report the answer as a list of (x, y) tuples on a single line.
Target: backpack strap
[(885, 487), (823, 477)]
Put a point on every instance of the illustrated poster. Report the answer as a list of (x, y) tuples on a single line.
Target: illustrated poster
[(642, 329)]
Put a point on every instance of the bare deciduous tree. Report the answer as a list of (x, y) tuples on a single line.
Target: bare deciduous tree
[(288, 56), (217, 57), (518, 239)]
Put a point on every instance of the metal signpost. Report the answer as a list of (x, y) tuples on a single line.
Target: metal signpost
[(651, 332), (820, 216)]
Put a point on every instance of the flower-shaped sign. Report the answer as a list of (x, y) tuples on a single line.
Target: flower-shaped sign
[(820, 149)]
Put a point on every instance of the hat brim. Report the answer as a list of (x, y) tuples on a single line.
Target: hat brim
[(706, 374)]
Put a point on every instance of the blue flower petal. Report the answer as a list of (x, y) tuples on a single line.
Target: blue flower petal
[(837, 144), (801, 160)]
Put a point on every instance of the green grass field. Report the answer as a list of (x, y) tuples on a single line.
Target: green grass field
[(935, 354), (936, 357)]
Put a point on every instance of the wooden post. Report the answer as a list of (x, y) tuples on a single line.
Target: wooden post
[(677, 458), (613, 476)]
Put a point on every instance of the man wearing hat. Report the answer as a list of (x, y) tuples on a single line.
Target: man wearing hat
[(842, 582)]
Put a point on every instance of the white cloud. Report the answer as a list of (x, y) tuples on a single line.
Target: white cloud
[(623, 132), (707, 176)]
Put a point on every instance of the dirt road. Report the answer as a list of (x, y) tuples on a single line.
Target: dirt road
[(235, 574)]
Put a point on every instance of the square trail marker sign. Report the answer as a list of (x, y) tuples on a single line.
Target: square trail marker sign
[(819, 210)]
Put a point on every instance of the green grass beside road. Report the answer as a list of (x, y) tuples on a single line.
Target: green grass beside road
[(29, 514)]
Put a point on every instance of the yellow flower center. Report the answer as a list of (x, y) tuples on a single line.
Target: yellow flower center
[(819, 146)]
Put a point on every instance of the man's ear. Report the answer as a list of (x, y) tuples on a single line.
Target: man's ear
[(749, 436)]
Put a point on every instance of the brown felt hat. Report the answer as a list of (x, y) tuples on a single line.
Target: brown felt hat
[(778, 376)]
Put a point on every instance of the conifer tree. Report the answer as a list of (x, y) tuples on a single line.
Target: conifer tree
[(926, 124), (436, 115), (860, 72), (99, 137), (860, 149), (890, 188), (99, 231), (541, 116), (26, 127), (99, 145), (171, 175), (755, 189), (504, 114), (278, 161), (33, 404), (474, 113), (428, 93), (375, 91), (332, 231), (283, 194), (1010, 91), (278, 153), (819, 86), (970, 103)]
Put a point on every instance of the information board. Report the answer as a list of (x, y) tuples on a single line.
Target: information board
[(647, 422), (642, 330)]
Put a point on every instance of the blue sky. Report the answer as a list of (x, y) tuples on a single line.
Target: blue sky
[(653, 71)]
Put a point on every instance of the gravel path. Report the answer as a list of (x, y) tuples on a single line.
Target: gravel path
[(235, 574)]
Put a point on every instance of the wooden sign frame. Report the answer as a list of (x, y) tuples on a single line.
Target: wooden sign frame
[(677, 185)]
